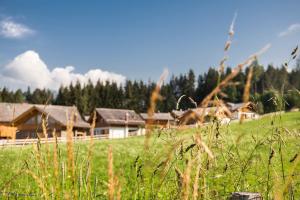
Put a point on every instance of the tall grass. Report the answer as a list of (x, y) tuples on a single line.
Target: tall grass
[(209, 162)]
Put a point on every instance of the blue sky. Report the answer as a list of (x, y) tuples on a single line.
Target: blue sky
[(138, 39)]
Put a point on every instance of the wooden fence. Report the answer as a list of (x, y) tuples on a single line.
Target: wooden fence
[(8, 142)]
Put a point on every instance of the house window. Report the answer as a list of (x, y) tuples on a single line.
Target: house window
[(97, 131)]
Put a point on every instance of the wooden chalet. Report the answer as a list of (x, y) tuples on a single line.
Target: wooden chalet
[(8, 112), (160, 120), (242, 110), (197, 116), (117, 123), (29, 123)]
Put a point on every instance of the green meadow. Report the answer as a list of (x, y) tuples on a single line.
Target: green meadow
[(208, 162)]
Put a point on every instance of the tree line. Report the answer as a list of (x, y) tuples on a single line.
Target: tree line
[(272, 89)]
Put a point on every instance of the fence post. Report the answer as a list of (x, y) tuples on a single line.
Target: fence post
[(245, 196)]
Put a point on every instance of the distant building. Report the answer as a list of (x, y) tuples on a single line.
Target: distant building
[(117, 123), (160, 120), (8, 112), (242, 110), (197, 116), (21, 120), (29, 123), (176, 114)]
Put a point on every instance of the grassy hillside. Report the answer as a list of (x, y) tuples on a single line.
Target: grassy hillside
[(204, 163)]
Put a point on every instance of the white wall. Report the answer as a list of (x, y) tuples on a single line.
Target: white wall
[(117, 132), (141, 131), (247, 115)]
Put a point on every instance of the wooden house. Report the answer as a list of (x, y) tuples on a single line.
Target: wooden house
[(29, 123), (242, 110), (8, 112), (160, 120), (117, 123), (197, 116)]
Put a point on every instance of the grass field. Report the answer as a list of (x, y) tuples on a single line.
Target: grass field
[(205, 163)]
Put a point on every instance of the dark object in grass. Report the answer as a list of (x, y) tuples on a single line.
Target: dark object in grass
[(189, 147), (294, 158), (245, 196)]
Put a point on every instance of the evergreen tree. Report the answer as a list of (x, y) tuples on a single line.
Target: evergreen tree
[(42, 96), (18, 96)]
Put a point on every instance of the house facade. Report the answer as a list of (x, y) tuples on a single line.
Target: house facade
[(117, 123), (8, 112), (159, 120), (55, 119), (242, 111)]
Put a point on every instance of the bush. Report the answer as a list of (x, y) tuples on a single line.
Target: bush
[(292, 99), (272, 101)]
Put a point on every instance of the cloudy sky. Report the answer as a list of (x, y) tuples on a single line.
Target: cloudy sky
[(49, 43)]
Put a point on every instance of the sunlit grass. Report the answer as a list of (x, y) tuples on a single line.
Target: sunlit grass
[(241, 154)]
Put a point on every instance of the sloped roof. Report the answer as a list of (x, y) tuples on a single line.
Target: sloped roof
[(64, 114), (120, 116), (236, 106), (10, 111), (158, 116), (61, 114)]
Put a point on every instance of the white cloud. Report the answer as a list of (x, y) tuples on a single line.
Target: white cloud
[(11, 29), (28, 69), (291, 29)]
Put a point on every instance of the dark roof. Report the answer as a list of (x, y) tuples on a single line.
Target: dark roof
[(10, 111), (120, 116), (158, 116), (61, 114)]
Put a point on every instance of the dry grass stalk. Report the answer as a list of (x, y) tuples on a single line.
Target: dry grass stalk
[(155, 96), (196, 182), (40, 183), (191, 116), (201, 144), (219, 112), (227, 45), (111, 182), (118, 188), (70, 155), (93, 125), (186, 181), (293, 56), (56, 162), (248, 86), (90, 152), (230, 77), (39, 159), (45, 135)]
